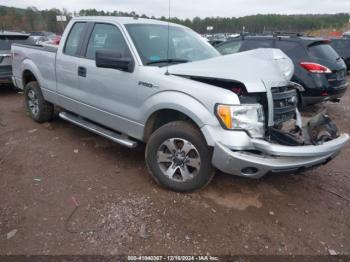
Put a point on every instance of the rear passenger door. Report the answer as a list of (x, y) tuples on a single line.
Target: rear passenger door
[(67, 63), (109, 96)]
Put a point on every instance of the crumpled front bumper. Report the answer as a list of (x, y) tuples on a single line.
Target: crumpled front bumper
[(275, 158)]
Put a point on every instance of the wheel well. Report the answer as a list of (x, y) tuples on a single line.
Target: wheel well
[(28, 76), (161, 118)]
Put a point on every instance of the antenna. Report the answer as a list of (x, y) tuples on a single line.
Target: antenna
[(168, 47)]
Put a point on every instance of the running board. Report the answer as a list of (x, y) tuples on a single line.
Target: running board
[(115, 137)]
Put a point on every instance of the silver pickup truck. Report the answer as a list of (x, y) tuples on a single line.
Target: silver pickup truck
[(138, 80)]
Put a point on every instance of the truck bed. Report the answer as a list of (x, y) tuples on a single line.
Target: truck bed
[(41, 59)]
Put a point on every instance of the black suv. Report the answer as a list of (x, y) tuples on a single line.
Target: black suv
[(342, 46), (318, 68), (6, 40)]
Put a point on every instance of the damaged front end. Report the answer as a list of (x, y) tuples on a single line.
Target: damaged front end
[(315, 131), (286, 126), (289, 146)]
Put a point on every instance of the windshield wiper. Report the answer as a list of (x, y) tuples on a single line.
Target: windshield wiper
[(172, 60)]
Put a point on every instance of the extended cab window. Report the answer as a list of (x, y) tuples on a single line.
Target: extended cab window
[(107, 37), (74, 38), (229, 47)]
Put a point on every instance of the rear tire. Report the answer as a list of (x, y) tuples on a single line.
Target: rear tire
[(40, 110), (178, 157)]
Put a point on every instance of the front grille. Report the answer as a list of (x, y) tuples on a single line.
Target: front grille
[(285, 101)]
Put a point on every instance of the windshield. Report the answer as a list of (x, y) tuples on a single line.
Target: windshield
[(151, 42)]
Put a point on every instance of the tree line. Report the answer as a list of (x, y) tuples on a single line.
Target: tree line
[(32, 19)]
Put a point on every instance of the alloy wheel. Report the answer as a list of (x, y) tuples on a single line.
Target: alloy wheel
[(178, 159), (33, 102)]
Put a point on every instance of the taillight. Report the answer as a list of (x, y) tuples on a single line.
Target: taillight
[(315, 68)]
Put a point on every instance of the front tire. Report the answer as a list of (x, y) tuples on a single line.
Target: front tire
[(178, 157), (40, 110)]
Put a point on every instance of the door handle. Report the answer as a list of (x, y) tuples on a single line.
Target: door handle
[(81, 71)]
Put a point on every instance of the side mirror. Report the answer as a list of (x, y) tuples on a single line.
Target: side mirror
[(114, 60)]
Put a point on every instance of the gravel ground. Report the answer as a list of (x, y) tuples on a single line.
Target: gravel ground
[(64, 190)]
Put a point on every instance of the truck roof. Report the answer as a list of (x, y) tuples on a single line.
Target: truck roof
[(122, 20)]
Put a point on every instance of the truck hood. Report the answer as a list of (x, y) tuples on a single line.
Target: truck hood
[(256, 69)]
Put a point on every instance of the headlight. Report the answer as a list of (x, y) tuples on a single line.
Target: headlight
[(249, 117)]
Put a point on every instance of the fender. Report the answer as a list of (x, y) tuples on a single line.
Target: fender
[(47, 83), (29, 65), (180, 102)]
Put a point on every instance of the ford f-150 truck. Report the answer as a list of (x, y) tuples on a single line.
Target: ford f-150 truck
[(138, 80)]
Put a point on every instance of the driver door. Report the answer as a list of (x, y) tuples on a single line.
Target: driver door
[(109, 96)]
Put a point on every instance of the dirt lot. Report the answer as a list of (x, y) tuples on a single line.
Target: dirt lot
[(45, 170)]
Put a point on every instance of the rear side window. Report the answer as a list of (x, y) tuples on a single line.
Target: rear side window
[(254, 44), (106, 37), (74, 39), (230, 47), (323, 51), (291, 49)]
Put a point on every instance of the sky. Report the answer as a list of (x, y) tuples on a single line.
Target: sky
[(192, 8)]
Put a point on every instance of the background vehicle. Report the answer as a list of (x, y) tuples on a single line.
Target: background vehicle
[(342, 47), (133, 80), (6, 40), (217, 39), (318, 68), (55, 40), (216, 42), (41, 37)]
